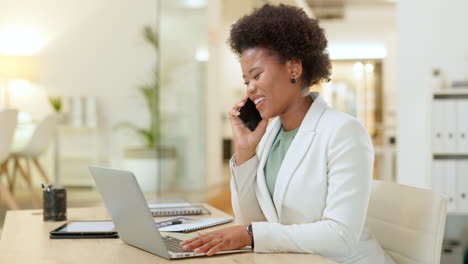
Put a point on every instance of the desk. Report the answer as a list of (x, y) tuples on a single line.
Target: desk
[(25, 239)]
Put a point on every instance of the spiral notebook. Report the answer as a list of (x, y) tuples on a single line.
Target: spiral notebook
[(174, 206), (179, 210), (188, 224)]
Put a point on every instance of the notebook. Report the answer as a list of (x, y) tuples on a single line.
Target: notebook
[(189, 224), (178, 210)]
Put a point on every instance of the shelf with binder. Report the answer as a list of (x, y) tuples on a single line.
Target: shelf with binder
[(449, 148), (450, 155), (450, 177), (449, 92), (82, 140), (449, 124)]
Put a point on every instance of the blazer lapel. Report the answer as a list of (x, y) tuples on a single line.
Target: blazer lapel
[(263, 195), (297, 150)]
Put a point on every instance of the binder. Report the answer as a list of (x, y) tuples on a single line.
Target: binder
[(462, 185), (437, 125), (450, 184), (438, 180), (76, 111), (449, 141), (462, 126), (444, 181)]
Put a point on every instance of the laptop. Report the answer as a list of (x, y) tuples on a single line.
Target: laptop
[(132, 217)]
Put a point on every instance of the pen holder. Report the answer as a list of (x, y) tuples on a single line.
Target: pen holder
[(55, 204)]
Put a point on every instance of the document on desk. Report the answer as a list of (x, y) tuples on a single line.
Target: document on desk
[(189, 224)]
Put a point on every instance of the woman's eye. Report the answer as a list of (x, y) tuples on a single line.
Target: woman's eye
[(255, 77)]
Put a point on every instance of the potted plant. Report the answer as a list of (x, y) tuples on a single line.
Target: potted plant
[(149, 91), (145, 161), (437, 80)]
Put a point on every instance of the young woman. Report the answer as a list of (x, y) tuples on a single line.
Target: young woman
[(302, 184)]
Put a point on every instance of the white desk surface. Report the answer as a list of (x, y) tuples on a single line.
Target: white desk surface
[(25, 239)]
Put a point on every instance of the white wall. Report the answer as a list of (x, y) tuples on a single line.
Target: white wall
[(431, 33), (85, 48)]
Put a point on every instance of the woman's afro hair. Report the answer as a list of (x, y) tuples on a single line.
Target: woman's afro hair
[(290, 33)]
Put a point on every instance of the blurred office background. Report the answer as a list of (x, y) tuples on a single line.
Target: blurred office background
[(145, 85)]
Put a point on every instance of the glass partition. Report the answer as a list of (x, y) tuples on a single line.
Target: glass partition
[(182, 71)]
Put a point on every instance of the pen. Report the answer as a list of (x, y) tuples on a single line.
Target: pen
[(169, 223), (47, 188)]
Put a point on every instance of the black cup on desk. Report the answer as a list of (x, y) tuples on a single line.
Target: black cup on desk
[(54, 204)]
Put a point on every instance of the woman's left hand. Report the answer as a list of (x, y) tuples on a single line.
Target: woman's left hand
[(224, 239)]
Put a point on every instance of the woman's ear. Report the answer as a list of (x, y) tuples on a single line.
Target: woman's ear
[(295, 68)]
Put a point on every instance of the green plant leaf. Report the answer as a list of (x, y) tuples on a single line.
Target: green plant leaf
[(151, 36), (149, 91), (146, 135), (56, 103)]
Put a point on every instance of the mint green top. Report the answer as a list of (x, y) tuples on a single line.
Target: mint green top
[(275, 157)]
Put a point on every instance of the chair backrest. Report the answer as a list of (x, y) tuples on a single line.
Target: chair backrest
[(41, 137), (408, 222), (8, 119)]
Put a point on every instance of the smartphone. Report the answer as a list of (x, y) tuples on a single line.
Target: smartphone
[(249, 115)]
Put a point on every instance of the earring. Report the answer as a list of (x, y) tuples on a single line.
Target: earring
[(293, 79)]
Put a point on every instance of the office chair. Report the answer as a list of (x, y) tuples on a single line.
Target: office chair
[(8, 119), (34, 148), (408, 222)]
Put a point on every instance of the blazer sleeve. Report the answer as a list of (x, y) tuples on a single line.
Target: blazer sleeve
[(244, 201), (350, 159)]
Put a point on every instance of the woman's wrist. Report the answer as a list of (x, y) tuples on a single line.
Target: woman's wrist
[(243, 156), (248, 229)]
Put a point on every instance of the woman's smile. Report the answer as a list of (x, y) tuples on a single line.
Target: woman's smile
[(259, 102)]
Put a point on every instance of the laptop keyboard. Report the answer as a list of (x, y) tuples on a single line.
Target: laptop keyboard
[(173, 244)]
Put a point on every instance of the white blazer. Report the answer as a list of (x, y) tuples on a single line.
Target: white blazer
[(321, 194)]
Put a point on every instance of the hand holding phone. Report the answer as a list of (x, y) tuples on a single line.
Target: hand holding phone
[(249, 115), (246, 141)]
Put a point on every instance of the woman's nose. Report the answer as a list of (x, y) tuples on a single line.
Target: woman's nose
[(251, 88)]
